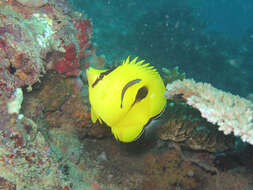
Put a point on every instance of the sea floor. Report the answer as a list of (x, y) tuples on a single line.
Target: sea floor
[(159, 165)]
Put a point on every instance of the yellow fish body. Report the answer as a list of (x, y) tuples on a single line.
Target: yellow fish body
[(126, 98)]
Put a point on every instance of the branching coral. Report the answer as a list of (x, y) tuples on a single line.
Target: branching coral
[(232, 113)]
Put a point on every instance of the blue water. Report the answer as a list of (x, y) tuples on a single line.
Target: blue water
[(211, 41)]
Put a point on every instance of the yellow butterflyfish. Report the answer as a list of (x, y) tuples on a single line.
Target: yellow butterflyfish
[(126, 98)]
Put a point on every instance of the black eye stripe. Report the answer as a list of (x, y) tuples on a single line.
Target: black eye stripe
[(101, 76)]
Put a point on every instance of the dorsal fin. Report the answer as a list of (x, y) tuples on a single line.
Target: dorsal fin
[(139, 63)]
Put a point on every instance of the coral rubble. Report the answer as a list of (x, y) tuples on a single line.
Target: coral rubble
[(163, 172)]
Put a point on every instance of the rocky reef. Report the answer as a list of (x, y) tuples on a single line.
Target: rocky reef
[(36, 38)]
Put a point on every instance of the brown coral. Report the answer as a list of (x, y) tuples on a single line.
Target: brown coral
[(184, 125)]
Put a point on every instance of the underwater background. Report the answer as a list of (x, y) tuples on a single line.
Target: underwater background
[(201, 140), (210, 41)]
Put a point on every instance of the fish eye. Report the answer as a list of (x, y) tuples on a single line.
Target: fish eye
[(141, 94)]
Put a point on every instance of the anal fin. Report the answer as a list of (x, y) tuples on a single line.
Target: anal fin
[(95, 117)]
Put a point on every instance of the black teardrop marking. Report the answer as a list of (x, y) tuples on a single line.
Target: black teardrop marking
[(141, 94)]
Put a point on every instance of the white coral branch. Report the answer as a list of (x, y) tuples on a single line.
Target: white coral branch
[(231, 113)]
